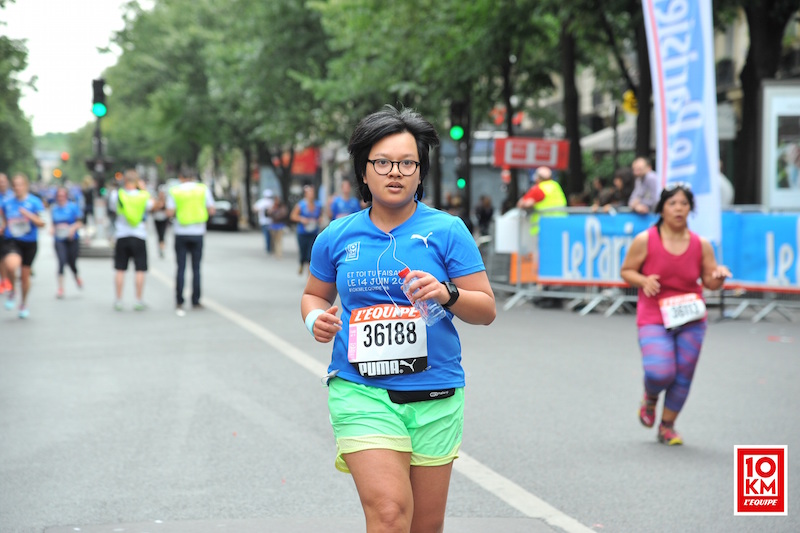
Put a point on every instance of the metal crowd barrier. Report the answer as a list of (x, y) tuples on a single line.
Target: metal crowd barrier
[(505, 271)]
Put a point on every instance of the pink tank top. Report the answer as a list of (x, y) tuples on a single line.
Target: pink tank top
[(679, 274)]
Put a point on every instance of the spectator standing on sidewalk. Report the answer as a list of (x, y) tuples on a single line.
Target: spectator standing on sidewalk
[(191, 203), (262, 207), (67, 219), (307, 213), (646, 187), (130, 205), (280, 215), (544, 195), (21, 219), (160, 218), (484, 213), (88, 187), (544, 199)]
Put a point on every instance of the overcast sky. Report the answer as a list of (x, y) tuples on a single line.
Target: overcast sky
[(62, 40)]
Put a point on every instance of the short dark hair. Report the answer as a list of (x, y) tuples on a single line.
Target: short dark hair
[(390, 121), (668, 193), (187, 172)]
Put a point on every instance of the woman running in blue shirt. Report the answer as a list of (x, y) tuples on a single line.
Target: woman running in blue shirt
[(67, 220), (396, 386)]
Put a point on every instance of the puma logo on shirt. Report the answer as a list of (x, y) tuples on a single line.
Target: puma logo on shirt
[(423, 239)]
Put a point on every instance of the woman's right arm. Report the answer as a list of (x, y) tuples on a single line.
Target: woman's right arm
[(295, 216), (318, 298), (632, 266)]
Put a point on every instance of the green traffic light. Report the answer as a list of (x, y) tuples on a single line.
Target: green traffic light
[(456, 132), (99, 109), (461, 183)]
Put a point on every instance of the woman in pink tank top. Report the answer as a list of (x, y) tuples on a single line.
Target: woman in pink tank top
[(670, 265)]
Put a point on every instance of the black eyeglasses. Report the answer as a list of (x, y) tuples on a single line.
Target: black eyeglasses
[(382, 167), (671, 186)]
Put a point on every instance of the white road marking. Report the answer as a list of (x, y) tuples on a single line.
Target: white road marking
[(492, 482)]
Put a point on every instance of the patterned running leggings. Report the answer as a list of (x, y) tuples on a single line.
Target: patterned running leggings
[(669, 358)]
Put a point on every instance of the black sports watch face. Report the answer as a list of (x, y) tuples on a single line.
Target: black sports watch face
[(453, 290)]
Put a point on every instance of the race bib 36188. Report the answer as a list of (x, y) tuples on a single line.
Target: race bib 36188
[(387, 340)]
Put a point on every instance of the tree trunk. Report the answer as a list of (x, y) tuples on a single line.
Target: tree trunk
[(575, 176), (282, 171), (762, 62), (512, 192), (248, 201)]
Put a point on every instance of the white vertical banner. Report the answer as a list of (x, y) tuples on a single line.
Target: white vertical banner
[(680, 46)]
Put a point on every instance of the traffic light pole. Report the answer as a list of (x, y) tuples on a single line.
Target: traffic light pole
[(99, 163), (461, 133)]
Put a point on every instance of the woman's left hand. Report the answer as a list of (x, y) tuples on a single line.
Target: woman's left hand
[(721, 272), (426, 287)]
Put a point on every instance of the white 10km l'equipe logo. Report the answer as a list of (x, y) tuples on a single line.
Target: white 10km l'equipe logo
[(760, 480)]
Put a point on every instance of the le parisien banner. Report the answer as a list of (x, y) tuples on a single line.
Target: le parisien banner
[(680, 46)]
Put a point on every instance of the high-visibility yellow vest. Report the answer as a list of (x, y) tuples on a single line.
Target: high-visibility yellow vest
[(553, 197), (132, 205), (190, 203)]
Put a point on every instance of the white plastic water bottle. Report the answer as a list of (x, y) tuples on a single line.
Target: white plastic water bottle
[(431, 311)]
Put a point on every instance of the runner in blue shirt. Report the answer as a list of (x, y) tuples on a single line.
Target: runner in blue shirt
[(67, 219), (343, 204), (21, 221), (307, 213), (396, 386)]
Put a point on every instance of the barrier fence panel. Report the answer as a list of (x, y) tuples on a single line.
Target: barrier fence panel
[(578, 257)]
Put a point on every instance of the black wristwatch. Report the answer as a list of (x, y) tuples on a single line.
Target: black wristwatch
[(453, 291)]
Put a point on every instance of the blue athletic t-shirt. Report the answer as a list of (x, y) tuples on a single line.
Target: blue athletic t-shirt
[(68, 214), (341, 207), (308, 211), (19, 227), (380, 344)]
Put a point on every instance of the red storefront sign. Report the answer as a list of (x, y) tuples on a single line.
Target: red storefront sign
[(306, 162), (526, 152)]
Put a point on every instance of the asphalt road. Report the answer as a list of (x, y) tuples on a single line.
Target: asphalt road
[(217, 421)]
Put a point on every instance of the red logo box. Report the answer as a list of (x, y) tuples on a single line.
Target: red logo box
[(760, 480)]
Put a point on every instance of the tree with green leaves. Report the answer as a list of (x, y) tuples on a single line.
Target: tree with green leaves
[(483, 53), (16, 134)]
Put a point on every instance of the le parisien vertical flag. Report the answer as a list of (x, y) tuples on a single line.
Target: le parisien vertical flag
[(680, 46)]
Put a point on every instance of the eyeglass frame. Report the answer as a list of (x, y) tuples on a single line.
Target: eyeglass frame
[(373, 161)]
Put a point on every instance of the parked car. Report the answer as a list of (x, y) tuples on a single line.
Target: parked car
[(226, 216)]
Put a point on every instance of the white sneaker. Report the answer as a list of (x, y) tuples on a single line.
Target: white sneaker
[(179, 311)]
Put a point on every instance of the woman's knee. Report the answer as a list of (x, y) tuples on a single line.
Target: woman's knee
[(427, 524), (659, 379), (392, 514)]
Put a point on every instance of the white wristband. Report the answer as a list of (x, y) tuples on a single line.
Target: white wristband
[(311, 317)]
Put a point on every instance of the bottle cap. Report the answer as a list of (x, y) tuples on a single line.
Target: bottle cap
[(403, 273)]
